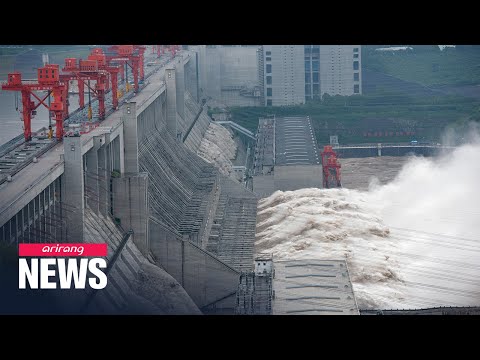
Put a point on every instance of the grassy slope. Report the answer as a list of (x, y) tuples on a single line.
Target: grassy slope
[(427, 65), (351, 117)]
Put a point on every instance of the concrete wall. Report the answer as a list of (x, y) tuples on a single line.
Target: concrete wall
[(192, 76), (238, 65), (39, 220), (201, 55), (294, 177), (73, 189), (263, 186), (151, 118), (228, 68), (9, 210), (130, 206), (213, 73), (171, 103), (130, 149), (205, 278), (180, 87), (288, 178), (192, 109), (135, 286), (173, 174)]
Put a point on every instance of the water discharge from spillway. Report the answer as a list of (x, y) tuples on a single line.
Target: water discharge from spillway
[(412, 243)]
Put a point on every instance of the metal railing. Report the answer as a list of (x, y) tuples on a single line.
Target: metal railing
[(391, 145)]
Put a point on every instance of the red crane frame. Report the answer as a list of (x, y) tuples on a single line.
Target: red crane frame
[(88, 70), (48, 79), (97, 67), (162, 49), (133, 56), (98, 55), (331, 167)]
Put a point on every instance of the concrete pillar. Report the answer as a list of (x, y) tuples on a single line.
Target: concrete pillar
[(191, 75), (92, 175), (131, 207), (171, 102), (130, 138), (121, 139), (104, 178), (197, 78), (73, 189), (379, 149), (114, 146), (180, 85)]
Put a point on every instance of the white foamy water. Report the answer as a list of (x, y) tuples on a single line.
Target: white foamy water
[(412, 243), (218, 148)]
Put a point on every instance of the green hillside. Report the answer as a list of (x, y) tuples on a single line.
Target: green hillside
[(354, 117), (426, 64)]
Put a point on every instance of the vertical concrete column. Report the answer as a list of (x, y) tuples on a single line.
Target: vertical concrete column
[(121, 139), (73, 189), (108, 172), (196, 76), (103, 182), (92, 175), (171, 101), (130, 138), (115, 149), (180, 85), (131, 207)]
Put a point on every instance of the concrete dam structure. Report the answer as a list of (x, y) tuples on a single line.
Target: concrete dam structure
[(179, 233), (286, 156)]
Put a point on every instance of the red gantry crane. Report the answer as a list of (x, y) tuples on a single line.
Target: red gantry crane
[(87, 70), (162, 49), (331, 168), (132, 56), (49, 80), (98, 67), (99, 56), (159, 49), (141, 53)]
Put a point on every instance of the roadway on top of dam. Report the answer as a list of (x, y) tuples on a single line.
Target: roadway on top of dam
[(38, 175)]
